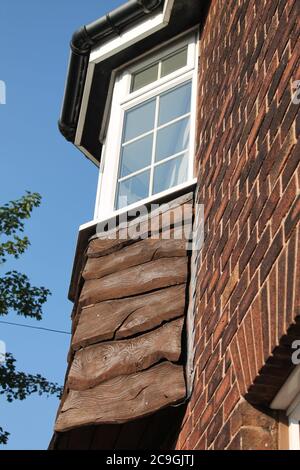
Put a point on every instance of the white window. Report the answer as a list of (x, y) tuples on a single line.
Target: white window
[(293, 414), (150, 143), (288, 400)]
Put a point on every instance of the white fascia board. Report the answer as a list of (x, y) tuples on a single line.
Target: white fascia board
[(113, 46), (84, 104), (155, 199), (288, 391), (133, 35)]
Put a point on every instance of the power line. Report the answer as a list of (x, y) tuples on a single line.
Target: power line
[(34, 327)]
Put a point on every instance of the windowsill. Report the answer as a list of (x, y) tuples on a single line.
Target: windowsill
[(86, 231), (156, 198)]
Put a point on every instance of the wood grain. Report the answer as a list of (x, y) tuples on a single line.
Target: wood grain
[(95, 364), (158, 220), (129, 316), (135, 280), (138, 253), (124, 398)]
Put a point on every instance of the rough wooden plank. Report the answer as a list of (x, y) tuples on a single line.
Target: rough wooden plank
[(124, 398), (109, 241), (136, 280), (95, 364), (133, 255), (129, 316)]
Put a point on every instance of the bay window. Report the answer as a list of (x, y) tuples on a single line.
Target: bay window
[(150, 143)]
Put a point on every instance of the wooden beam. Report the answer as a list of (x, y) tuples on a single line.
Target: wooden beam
[(95, 364), (124, 398), (138, 253), (163, 218), (135, 280), (129, 316)]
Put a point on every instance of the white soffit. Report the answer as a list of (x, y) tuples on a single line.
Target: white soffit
[(288, 391), (113, 46)]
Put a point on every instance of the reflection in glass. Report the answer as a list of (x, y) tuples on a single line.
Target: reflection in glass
[(136, 155), (139, 120), (175, 103), (172, 139), (174, 62), (145, 77), (170, 173), (133, 189)]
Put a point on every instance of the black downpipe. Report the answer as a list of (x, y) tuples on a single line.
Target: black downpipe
[(82, 41)]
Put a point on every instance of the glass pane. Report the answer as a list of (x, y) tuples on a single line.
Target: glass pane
[(136, 155), (175, 103), (139, 120), (133, 189), (174, 62), (170, 174), (143, 78), (172, 139)]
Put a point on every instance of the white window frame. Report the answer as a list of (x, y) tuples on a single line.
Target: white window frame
[(123, 100), (288, 400)]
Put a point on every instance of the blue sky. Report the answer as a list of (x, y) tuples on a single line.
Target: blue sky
[(34, 49)]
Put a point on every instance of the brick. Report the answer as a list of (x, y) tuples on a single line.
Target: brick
[(270, 256), (258, 337), (260, 250), (220, 326), (222, 390), (269, 208), (235, 444), (265, 316), (291, 281), (231, 400), (207, 415), (215, 380), (249, 337), (214, 427), (237, 361), (292, 218), (284, 205), (248, 297), (223, 437), (229, 332)]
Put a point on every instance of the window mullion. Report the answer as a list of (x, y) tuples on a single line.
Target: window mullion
[(154, 146)]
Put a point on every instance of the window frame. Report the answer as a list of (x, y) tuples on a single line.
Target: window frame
[(293, 414), (123, 99)]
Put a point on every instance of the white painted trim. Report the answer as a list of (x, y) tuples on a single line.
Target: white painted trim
[(84, 103), (155, 199), (123, 100), (288, 391), (288, 399), (88, 154), (294, 434), (108, 49), (133, 35)]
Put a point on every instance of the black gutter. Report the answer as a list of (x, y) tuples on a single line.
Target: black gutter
[(82, 42)]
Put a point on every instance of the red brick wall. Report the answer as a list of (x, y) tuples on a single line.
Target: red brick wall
[(248, 179)]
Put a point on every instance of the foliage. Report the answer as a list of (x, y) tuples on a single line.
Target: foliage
[(18, 295)]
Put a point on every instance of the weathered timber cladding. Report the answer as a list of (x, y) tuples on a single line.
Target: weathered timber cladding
[(123, 398), (136, 280), (104, 361), (126, 359), (247, 166), (133, 255), (126, 317)]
